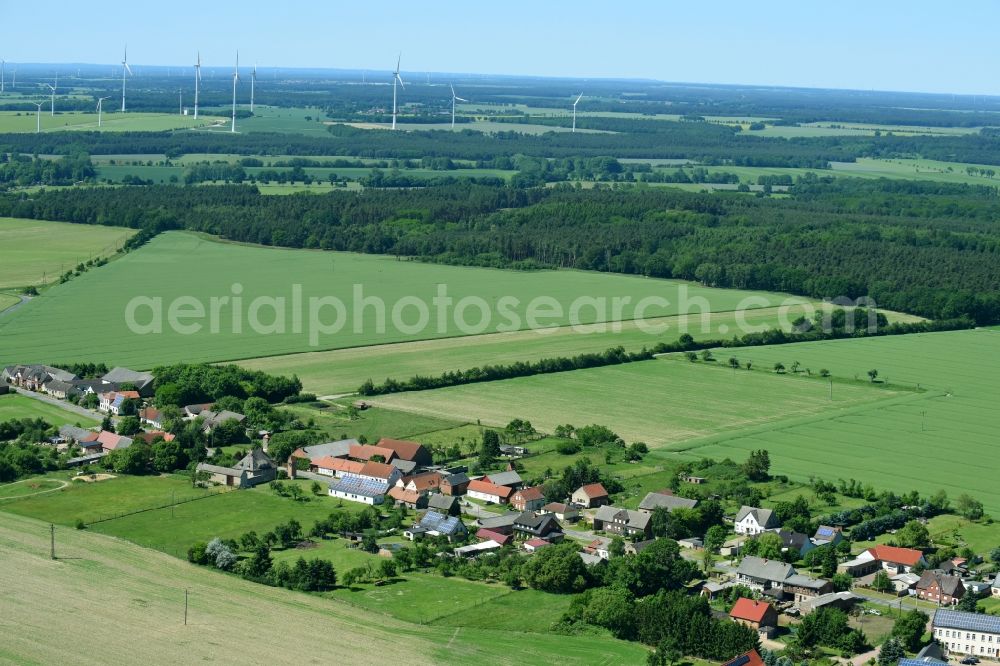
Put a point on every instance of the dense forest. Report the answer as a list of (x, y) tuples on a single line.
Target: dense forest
[(921, 247)]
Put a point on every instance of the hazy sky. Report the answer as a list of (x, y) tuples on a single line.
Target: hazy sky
[(912, 45)]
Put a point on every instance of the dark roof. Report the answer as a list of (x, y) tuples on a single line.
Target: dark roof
[(355, 485), (336, 449), (438, 522), (756, 567), (949, 585), (762, 516), (952, 619), (456, 479), (534, 521), (439, 501), (795, 540), (669, 502), (255, 460), (504, 478)]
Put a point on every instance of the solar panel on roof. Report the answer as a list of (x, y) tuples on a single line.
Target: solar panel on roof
[(967, 621)]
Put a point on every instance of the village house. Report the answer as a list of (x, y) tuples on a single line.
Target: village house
[(489, 492), (654, 501), (535, 544), (751, 658), (492, 535), (455, 484), (422, 483), (528, 499), (214, 419), (510, 451), (76, 435), (410, 451), (510, 478), (967, 633), (940, 588), (445, 504), (113, 402), (827, 536), (803, 588), (562, 512), (477, 549), (336, 467), (366, 452), (503, 523), (995, 587), (33, 377), (764, 575), (109, 441), (151, 436), (438, 524), (903, 583), (794, 542), (840, 600), (892, 559), (530, 524), (317, 452), (599, 547), (624, 522), (380, 472), (192, 411), (61, 390), (411, 499), (753, 520), (255, 468), (636, 547), (142, 381), (758, 615), (151, 416), (364, 490), (590, 496)]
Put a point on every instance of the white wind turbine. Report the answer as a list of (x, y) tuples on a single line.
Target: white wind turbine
[(236, 77), (100, 109), (253, 84), (574, 110), (125, 70), (3, 73), (52, 109), (454, 98), (197, 80), (38, 116), (396, 79)]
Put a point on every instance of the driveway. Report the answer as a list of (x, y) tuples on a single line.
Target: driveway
[(16, 306), (63, 404)]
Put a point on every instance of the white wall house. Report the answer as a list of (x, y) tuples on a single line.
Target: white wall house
[(751, 520)]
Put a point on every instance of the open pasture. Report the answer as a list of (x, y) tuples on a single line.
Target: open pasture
[(144, 591), (660, 402), (13, 406), (183, 265), (901, 446), (36, 251)]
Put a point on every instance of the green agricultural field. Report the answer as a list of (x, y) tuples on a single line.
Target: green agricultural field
[(33, 486), (933, 440), (344, 370), (333, 421), (196, 270), (524, 610), (7, 300), (660, 402), (14, 406), (486, 126), (36, 251), (21, 121), (144, 591), (857, 129)]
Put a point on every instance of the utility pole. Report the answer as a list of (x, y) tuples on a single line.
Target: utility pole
[(922, 414), (52, 544), (173, 493), (831, 389), (185, 607)]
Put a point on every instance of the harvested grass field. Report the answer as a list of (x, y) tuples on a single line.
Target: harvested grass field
[(7, 300), (15, 121), (35, 251), (143, 590), (178, 264), (896, 445), (13, 406), (344, 370), (659, 402), (334, 421)]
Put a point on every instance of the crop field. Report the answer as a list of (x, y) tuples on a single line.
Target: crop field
[(36, 251), (200, 272), (659, 402), (14, 406), (7, 300), (159, 173), (21, 121), (344, 370), (373, 423), (143, 590), (487, 126), (857, 129), (897, 445)]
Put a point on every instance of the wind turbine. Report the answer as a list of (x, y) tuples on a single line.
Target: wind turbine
[(53, 89), (395, 79), (180, 101), (574, 110), (38, 116), (125, 70), (100, 108), (253, 83), (3, 72), (236, 77), (454, 98), (197, 80)]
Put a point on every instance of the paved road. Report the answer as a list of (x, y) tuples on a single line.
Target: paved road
[(24, 299), (62, 404)]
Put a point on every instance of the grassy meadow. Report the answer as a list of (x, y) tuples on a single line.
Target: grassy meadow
[(660, 402), (111, 121), (144, 591), (943, 437), (36, 251), (180, 264), (13, 406)]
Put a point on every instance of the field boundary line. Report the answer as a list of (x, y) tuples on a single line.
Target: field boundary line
[(215, 493), (40, 492)]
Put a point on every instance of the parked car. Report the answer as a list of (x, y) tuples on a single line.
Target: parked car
[(970, 660)]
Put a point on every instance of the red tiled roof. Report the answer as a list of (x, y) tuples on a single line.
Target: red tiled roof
[(751, 658), (148, 437), (594, 490), (530, 494), (367, 452), (555, 507), (109, 440), (536, 543), (424, 481), (403, 449), (488, 534), (150, 413), (339, 465), (487, 488), (377, 470), (401, 495), (749, 610), (896, 555)]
